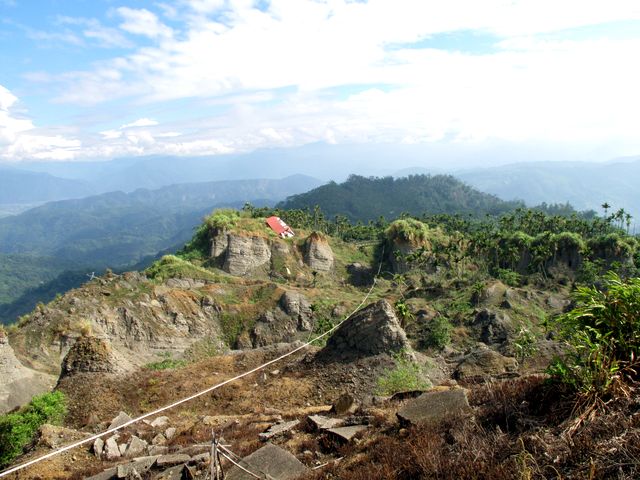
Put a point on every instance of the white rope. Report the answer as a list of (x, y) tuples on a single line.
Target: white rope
[(240, 466), (184, 400)]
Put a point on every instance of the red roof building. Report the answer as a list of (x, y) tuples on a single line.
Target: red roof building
[(281, 228)]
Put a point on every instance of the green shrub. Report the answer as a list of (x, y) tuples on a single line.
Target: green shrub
[(18, 429), (405, 376), (223, 219), (436, 333), (509, 277), (603, 335)]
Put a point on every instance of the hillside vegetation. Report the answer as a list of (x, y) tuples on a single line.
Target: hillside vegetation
[(364, 199)]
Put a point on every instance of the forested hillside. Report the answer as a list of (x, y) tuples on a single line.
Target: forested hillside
[(365, 199)]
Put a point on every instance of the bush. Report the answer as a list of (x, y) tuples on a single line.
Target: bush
[(406, 376), (18, 429), (509, 277), (603, 333), (408, 230), (437, 333)]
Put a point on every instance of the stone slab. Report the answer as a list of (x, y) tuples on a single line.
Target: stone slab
[(272, 460), (435, 406), (347, 433), (278, 429), (172, 459), (141, 465), (320, 422)]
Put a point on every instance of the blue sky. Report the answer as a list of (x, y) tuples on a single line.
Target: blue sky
[(98, 79)]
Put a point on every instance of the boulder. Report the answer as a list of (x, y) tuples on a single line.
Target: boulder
[(119, 420), (483, 362), (317, 253), (246, 254), (371, 331), (136, 448), (111, 448), (344, 404), (435, 406), (495, 328), (270, 460), (320, 422)]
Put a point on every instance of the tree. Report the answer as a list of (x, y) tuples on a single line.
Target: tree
[(606, 208)]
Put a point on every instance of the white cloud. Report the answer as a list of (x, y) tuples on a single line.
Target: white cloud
[(19, 139), (143, 22), (141, 122), (265, 75)]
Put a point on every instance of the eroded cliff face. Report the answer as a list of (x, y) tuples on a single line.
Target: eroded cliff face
[(249, 255), (17, 382), (138, 317)]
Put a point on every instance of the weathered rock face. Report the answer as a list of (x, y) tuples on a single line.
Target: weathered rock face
[(140, 319), (484, 362), (92, 355), (371, 331), (397, 253), (17, 382), (292, 315), (318, 254), (246, 254), (219, 243), (495, 328)]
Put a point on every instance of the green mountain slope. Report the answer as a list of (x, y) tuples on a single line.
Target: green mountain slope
[(361, 198)]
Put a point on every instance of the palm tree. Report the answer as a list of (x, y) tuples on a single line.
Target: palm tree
[(606, 208)]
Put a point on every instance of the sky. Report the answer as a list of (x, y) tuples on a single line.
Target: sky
[(101, 79)]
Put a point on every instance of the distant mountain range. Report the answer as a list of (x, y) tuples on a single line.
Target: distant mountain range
[(583, 185), (115, 230)]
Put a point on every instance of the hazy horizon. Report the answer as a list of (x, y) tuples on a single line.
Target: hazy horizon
[(464, 83)]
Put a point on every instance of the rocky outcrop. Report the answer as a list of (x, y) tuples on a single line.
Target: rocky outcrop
[(93, 355), (494, 328), (292, 315), (483, 362), (246, 254), (371, 331), (17, 382), (317, 253)]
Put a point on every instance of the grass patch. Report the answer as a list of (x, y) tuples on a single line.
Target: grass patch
[(405, 376), (166, 363)]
